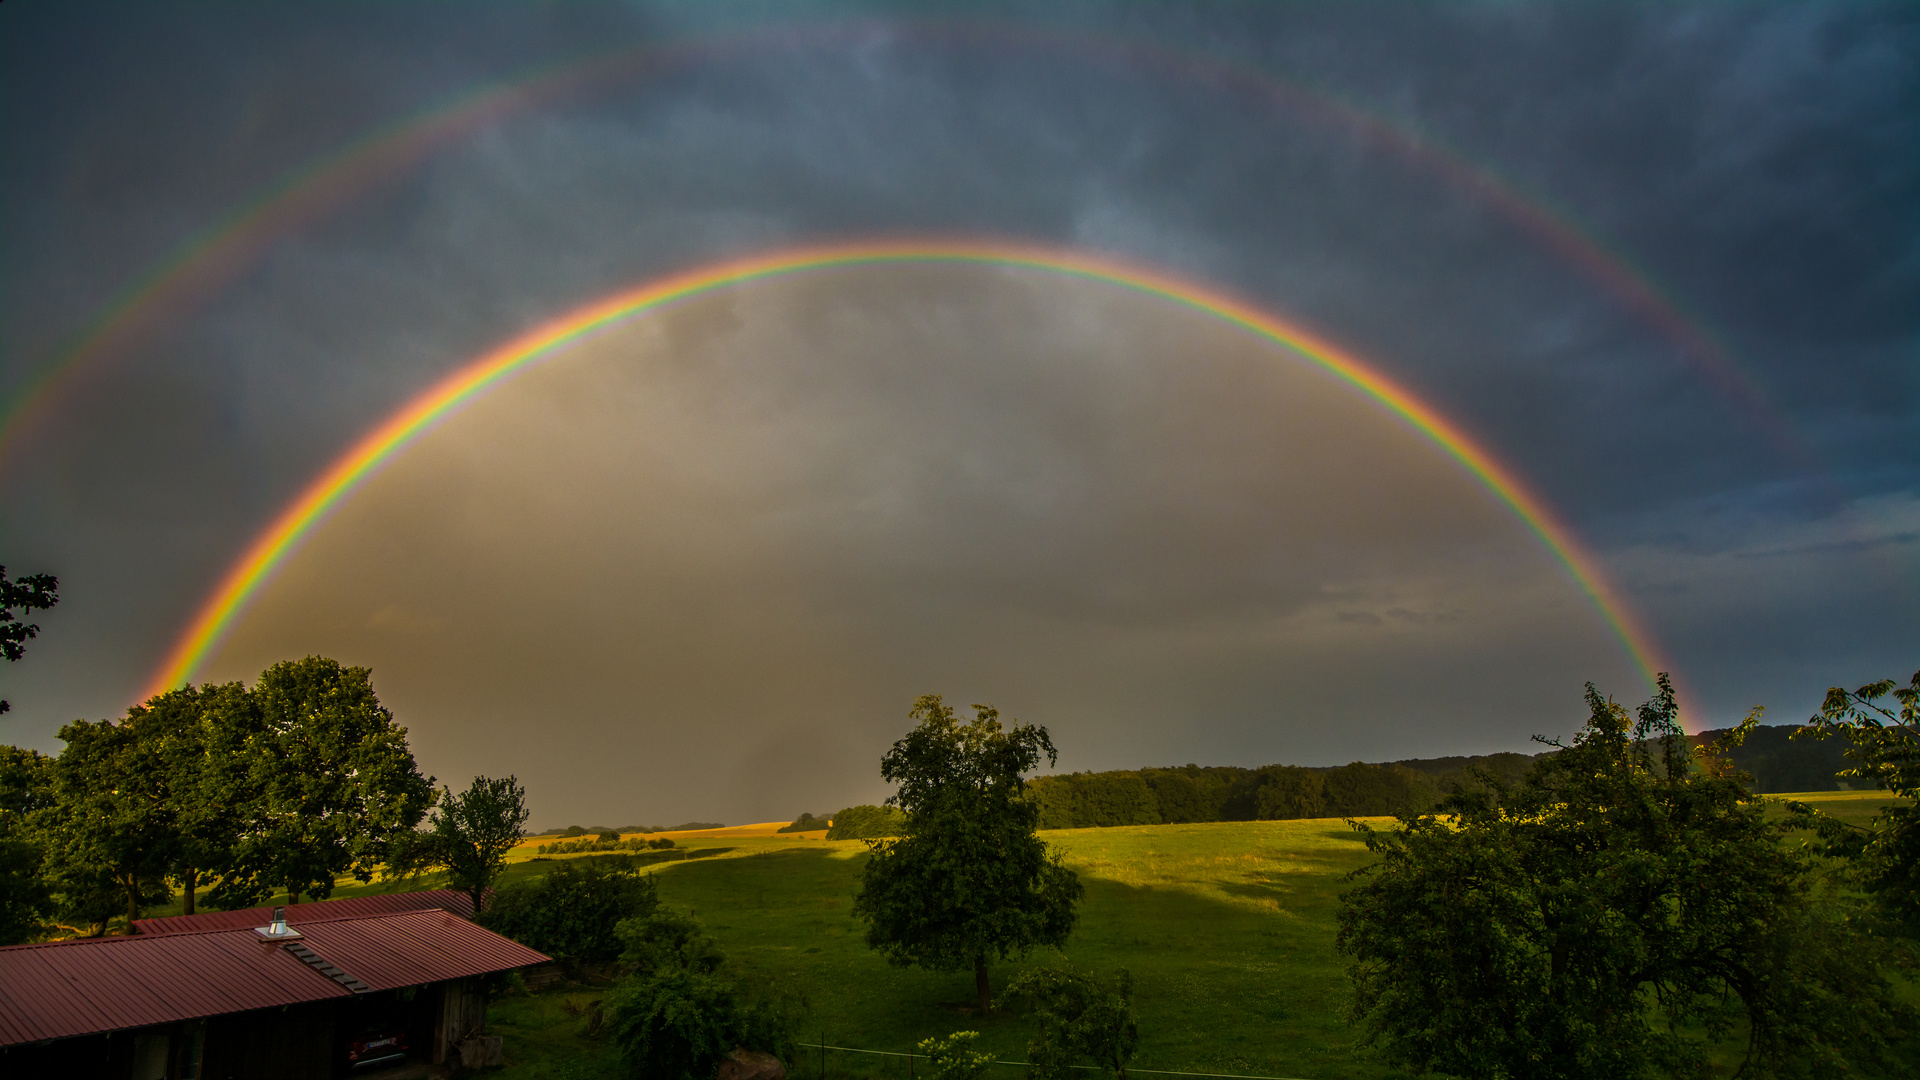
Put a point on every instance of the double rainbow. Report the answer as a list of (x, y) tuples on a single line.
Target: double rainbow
[(471, 381)]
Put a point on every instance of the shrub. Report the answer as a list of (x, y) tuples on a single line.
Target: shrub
[(954, 1058), (666, 939), (573, 912), (867, 823), (677, 1024), (1079, 1015)]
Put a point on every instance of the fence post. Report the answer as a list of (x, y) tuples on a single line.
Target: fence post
[(823, 1054)]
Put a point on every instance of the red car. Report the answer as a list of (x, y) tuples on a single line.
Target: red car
[(377, 1046)]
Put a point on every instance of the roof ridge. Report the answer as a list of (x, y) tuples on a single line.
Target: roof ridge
[(229, 929)]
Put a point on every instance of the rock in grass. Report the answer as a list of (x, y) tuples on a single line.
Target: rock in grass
[(743, 1064)]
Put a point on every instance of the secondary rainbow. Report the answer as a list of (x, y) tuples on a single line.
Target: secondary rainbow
[(212, 257), (216, 616)]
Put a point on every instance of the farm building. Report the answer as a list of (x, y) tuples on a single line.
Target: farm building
[(334, 988)]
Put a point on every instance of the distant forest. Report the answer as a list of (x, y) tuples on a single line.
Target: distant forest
[(1189, 793)]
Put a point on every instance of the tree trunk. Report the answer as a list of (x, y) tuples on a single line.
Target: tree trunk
[(132, 885), (189, 882), (980, 984), (293, 897)]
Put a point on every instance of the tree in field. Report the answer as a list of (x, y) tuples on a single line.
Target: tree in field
[(1886, 750), (969, 879), (25, 900), (29, 592), (198, 739), (474, 830), (109, 828), (331, 780), (1574, 924)]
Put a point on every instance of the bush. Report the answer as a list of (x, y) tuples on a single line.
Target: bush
[(954, 1058), (677, 1024), (1079, 1015), (867, 823), (667, 939), (573, 913)]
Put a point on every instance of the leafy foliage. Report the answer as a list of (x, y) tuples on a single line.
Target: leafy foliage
[(29, 592), (574, 912), (1079, 1015), (333, 776), (474, 830), (110, 828), (664, 939), (1885, 748), (678, 1023), (806, 823), (954, 1058), (1575, 924), (969, 879), (26, 901), (867, 823)]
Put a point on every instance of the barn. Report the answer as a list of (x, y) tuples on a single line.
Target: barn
[(358, 987)]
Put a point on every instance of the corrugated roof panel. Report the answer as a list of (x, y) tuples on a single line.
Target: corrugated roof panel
[(351, 907), (79, 987), (68, 988), (415, 948)]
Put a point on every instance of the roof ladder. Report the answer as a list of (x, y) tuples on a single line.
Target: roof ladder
[(318, 963)]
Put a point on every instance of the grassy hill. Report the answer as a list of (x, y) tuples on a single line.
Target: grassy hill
[(1227, 927)]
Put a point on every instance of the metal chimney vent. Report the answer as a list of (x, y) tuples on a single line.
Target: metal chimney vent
[(278, 930)]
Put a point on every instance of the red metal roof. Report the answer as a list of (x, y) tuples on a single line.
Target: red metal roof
[(67, 988), (348, 908)]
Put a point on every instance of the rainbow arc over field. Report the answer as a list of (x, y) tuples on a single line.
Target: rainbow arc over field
[(476, 378)]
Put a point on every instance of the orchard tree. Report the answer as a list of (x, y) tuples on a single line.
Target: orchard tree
[(969, 879), (198, 739), (28, 592), (25, 900), (110, 819), (474, 830), (330, 779), (1572, 925), (1886, 750)]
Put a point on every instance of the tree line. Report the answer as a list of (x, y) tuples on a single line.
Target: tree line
[(231, 794), (1770, 756), (1195, 793)]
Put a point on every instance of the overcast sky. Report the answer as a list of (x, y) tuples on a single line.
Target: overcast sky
[(1663, 261)]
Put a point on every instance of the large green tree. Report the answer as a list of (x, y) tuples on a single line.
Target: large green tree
[(1884, 744), (474, 830), (198, 738), (969, 879), (330, 779), (1576, 924), (26, 902), (111, 819)]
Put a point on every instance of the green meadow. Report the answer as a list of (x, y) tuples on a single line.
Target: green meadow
[(1227, 928)]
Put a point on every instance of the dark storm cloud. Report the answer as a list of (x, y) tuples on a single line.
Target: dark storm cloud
[(1756, 160)]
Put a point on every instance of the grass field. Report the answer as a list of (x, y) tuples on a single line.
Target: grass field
[(1227, 928)]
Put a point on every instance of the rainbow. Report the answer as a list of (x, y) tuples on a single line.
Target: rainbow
[(219, 252), (272, 547)]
